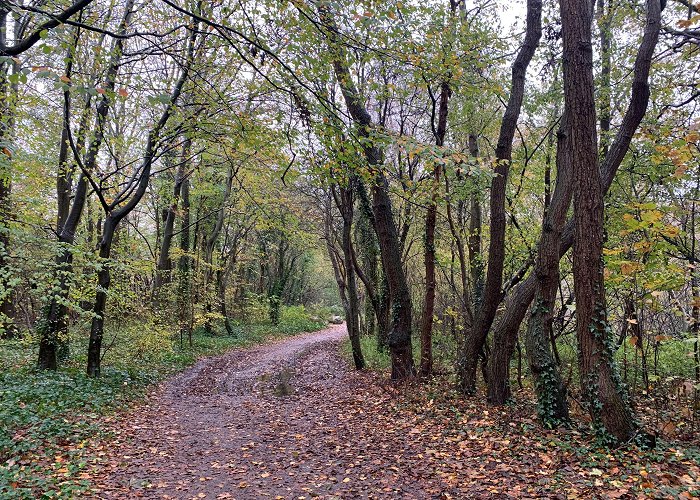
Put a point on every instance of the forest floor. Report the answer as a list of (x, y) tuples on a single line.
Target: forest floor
[(290, 419)]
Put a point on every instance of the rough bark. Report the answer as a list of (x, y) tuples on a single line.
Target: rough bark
[(549, 388), (546, 280), (600, 385), (506, 329), (375, 285), (402, 365), (475, 337)]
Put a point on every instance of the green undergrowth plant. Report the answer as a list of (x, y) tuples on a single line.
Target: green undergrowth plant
[(444, 346)]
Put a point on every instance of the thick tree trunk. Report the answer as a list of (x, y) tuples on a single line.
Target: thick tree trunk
[(475, 337), (506, 330), (402, 365), (599, 382), (549, 388)]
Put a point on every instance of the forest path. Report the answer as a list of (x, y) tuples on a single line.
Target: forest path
[(282, 420), (291, 420)]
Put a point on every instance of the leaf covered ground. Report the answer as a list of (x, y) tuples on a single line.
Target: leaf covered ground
[(291, 420), (52, 424)]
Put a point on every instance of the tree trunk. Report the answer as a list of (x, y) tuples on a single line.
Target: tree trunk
[(601, 388), (210, 242), (476, 268), (506, 330), (426, 334), (549, 388), (103, 281), (184, 266), (164, 264), (54, 326), (375, 282), (121, 208), (475, 337), (369, 254), (402, 365), (346, 207), (7, 95)]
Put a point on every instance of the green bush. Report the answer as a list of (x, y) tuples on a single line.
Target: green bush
[(295, 319)]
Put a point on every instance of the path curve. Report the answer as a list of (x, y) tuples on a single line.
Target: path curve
[(264, 422)]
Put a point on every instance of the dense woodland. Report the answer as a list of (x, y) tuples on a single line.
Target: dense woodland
[(501, 194)]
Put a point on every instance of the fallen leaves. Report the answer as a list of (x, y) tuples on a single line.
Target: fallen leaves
[(352, 434)]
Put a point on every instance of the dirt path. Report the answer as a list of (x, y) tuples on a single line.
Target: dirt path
[(272, 421), (290, 420)]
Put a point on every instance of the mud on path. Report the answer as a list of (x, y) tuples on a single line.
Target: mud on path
[(282, 420)]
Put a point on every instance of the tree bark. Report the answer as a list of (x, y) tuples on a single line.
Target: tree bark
[(54, 325), (7, 306), (506, 329), (402, 365), (164, 264), (345, 204), (115, 212), (549, 388), (426, 334), (600, 383), (375, 285), (210, 241), (475, 337), (476, 268), (184, 267)]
